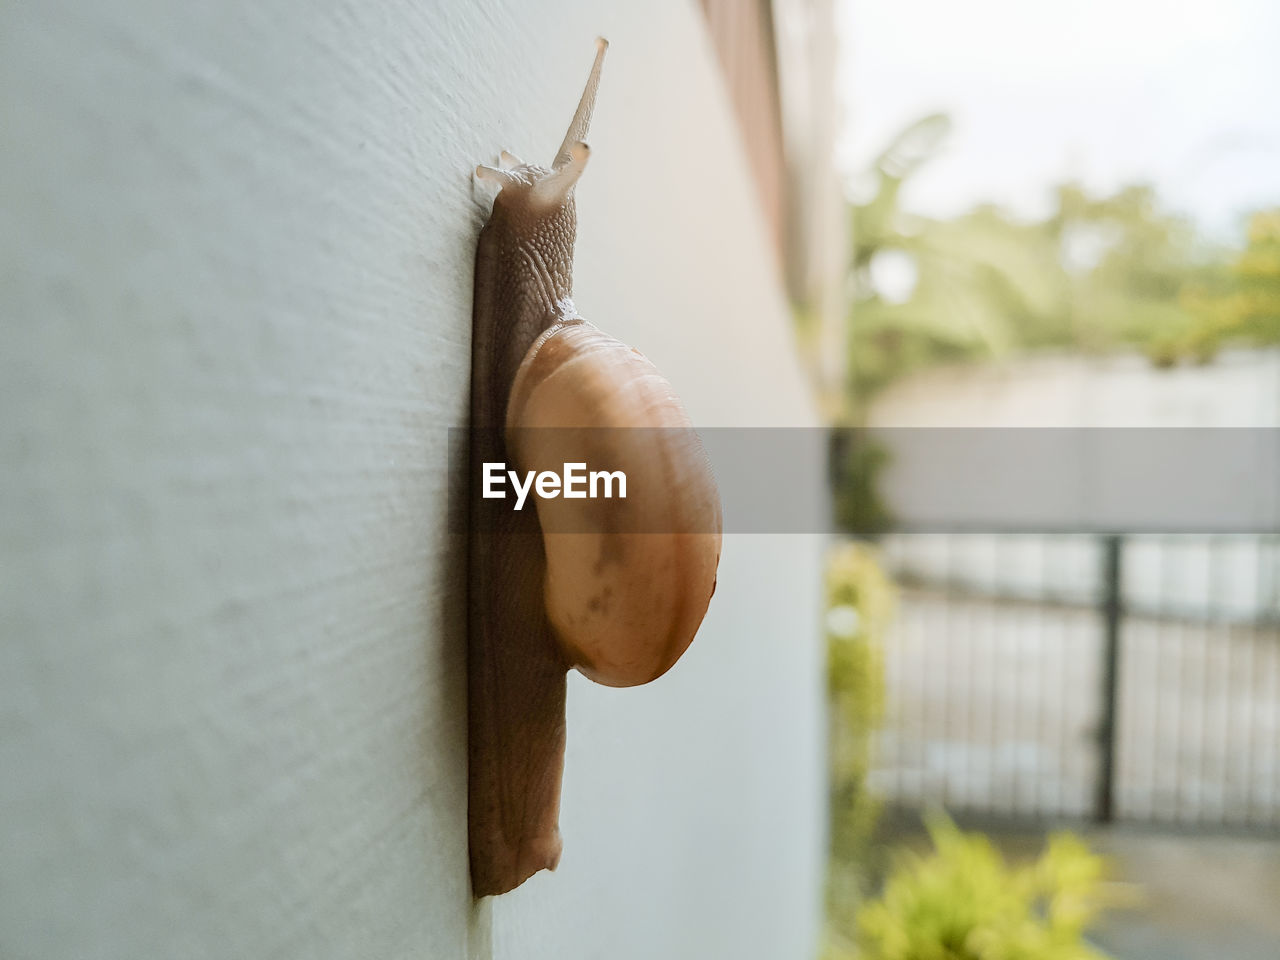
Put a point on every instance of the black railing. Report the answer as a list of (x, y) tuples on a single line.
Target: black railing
[(1129, 678)]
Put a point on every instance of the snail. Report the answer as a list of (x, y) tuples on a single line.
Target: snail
[(616, 589)]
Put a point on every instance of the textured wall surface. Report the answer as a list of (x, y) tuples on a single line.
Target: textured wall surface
[(235, 278)]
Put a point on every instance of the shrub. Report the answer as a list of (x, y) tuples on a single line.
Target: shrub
[(963, 902), (860, 602)]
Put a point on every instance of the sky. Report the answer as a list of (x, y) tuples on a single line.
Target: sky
[(1183, 95)]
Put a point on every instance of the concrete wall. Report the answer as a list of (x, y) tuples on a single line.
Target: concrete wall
[(1239, 388), (236, 244)]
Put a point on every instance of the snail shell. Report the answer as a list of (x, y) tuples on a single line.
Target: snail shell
[(627, 581)]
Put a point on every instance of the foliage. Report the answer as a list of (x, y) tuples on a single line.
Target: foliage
[(1247, 306), (859, 460), (860, 604), (1098, 273), (963, 902)]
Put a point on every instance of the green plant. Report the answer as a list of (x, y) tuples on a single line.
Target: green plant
[(860, 602), (859, 461), (964, 902)]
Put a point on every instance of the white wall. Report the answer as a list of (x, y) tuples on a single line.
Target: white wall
[(1239, 388), (236, 245)]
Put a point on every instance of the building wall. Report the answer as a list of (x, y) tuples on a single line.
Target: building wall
[(236, 246), (742, 32)]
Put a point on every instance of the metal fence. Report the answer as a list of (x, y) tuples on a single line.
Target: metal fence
[(1133, 678)]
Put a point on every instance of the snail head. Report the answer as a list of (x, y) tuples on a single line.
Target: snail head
[(541, 188)]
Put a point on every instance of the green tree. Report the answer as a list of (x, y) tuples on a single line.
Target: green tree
[(1099, 273), (1245, 305)]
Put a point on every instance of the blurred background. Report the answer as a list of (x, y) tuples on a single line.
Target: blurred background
[(1003, 214)]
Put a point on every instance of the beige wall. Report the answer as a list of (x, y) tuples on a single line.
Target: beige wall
[(236, 246)]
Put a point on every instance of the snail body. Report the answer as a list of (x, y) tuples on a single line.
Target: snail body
[(614, 588)]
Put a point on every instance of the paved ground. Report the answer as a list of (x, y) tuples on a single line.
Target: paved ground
[(1204, 898), (1197, 897)]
